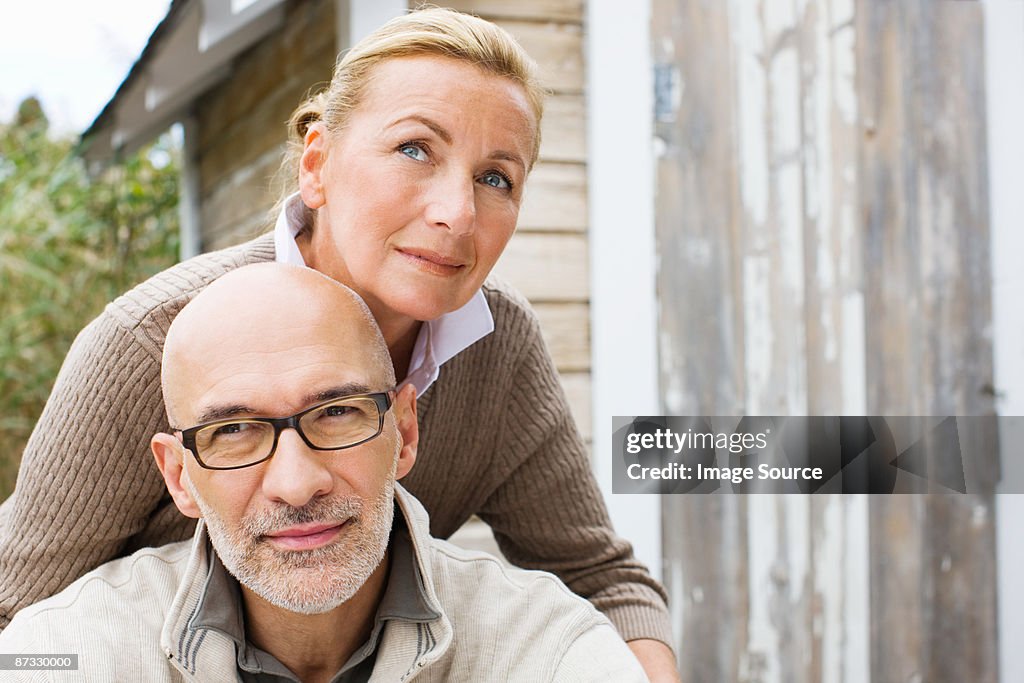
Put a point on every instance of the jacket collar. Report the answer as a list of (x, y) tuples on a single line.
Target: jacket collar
[(209, 654)]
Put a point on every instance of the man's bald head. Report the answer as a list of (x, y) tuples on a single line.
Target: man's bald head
[(260, 310), (305, 527)]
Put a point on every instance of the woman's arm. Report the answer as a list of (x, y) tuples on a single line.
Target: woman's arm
[(88, 489), (548, 513), (86, 481)]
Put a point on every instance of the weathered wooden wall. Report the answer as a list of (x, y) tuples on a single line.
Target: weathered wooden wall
[(241, 123), (547, 259), (823, 244), (242, 133), (924, 206)]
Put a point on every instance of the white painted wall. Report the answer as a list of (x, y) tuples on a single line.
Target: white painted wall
[(622, 249), (1004, 63)]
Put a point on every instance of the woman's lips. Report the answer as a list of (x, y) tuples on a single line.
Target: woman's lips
[(433, 262), (305, 536)]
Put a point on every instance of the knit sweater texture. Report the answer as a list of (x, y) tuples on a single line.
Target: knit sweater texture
[(496, 439)]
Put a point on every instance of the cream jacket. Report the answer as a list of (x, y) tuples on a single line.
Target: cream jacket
[(129, 620)]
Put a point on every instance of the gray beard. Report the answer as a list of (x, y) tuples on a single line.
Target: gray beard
[(305, 581)]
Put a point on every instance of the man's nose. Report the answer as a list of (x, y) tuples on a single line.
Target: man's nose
[(452, 203), (296, 473)]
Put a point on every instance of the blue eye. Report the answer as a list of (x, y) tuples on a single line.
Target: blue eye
[(497, 180), (413, 151)]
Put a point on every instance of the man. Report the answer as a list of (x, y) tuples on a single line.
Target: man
[(310, 562)]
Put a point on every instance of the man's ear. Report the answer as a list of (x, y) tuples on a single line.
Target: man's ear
[(408, 429), (170, 458), (311, 165)]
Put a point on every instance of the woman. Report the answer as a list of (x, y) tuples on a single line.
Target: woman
[(410, 173)]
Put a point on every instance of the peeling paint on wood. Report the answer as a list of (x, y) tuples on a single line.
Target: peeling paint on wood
[(823, 249)]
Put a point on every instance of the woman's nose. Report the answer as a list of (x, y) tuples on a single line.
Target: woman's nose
[(453, 204), (296, 473)]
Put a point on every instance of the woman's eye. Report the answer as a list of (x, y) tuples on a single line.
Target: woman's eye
[(413, 152), (496, 180)]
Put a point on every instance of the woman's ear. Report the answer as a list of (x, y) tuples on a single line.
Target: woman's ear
[(408, 429), (311, 164), (170, 458)]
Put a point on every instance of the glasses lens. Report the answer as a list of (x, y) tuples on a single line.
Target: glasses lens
[(341, 423), (231, 444)]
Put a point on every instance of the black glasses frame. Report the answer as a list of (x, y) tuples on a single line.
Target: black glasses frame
[(383, 399)]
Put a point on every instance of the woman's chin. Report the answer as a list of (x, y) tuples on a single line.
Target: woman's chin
[(422, 305)]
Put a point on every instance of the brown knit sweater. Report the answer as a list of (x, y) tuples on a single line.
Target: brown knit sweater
[(496, 439)]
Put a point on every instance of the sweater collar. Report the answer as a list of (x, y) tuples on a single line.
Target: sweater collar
[(439, 340)]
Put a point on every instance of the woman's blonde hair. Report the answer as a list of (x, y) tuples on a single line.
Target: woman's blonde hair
[(428, 31)]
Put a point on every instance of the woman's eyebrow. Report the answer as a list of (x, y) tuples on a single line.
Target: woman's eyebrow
[(502, 155), (439, 130)]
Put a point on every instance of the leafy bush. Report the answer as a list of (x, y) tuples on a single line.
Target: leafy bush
[(69, 243)]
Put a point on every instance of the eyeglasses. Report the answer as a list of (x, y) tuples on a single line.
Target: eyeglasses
[(339, 423)]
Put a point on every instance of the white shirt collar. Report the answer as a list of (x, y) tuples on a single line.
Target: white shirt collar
[(439, 340)]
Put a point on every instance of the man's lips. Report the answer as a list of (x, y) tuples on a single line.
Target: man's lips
[(305, 536), (432, 261)]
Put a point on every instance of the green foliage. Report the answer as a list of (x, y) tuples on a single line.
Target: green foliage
[(69, 243)]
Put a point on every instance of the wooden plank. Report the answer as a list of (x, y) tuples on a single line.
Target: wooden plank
[(555, 198), (898, 600), (566, 329), (781, 593), (305, 40), (577, 391), (840, 588), (242, 229), (244, 198), (547, 267), (928, 311), (771, 243), (836, 610), (697, 214), (833, 248), (563, 129), (706, 572), (558, 50), (536, 10), (219, 162), (264, 127), (924, 202), (697, 222)]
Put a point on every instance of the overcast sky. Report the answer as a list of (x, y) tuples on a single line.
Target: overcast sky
[(72, 54)]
